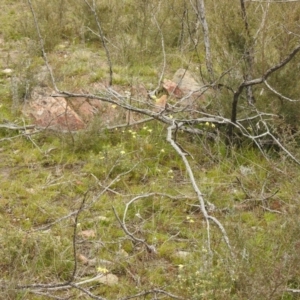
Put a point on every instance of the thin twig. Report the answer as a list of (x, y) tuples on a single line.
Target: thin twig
[(41, 41), (150, 248), (72, 277), (153, 291), (102, 38), (163, 52)]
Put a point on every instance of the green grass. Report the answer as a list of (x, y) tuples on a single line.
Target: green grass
[(45, 177)]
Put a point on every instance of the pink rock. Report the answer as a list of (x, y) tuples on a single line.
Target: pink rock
[(172, 88), (83, 108), (52, 112), (186, 81), (187, 89)]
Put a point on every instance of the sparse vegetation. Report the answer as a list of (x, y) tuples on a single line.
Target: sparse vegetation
[(77, 208)]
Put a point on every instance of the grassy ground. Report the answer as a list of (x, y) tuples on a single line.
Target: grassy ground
[(45, 178)]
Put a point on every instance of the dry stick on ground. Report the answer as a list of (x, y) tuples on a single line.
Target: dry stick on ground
[(153, 291), (72, 277), (105, 189), (150, 248), (204, 211), (70, 283)]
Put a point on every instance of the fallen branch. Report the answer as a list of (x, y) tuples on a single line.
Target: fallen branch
[(202, 202)]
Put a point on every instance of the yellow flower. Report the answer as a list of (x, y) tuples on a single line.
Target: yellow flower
[(189, 219), (102, 270), (114, 106), (213, 125), (162, 150), (122, 152), (207, 124)]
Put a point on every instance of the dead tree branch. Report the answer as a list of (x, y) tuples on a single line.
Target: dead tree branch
[(150, 248), (252, 82), (200, 197)]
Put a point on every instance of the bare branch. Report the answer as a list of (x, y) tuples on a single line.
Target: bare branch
[(163, 52), (150, 248), (72, 277), (279, 94), (42, 45), (202, 206), (102, 37), (246, 83), (296, 291), (273, 1), (281, 64), (153, 291)]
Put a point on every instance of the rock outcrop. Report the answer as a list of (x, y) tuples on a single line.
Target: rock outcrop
[(52, 112), (185, 88), (75, 113)]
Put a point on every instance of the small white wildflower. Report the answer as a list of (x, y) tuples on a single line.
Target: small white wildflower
[(122, 152)]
